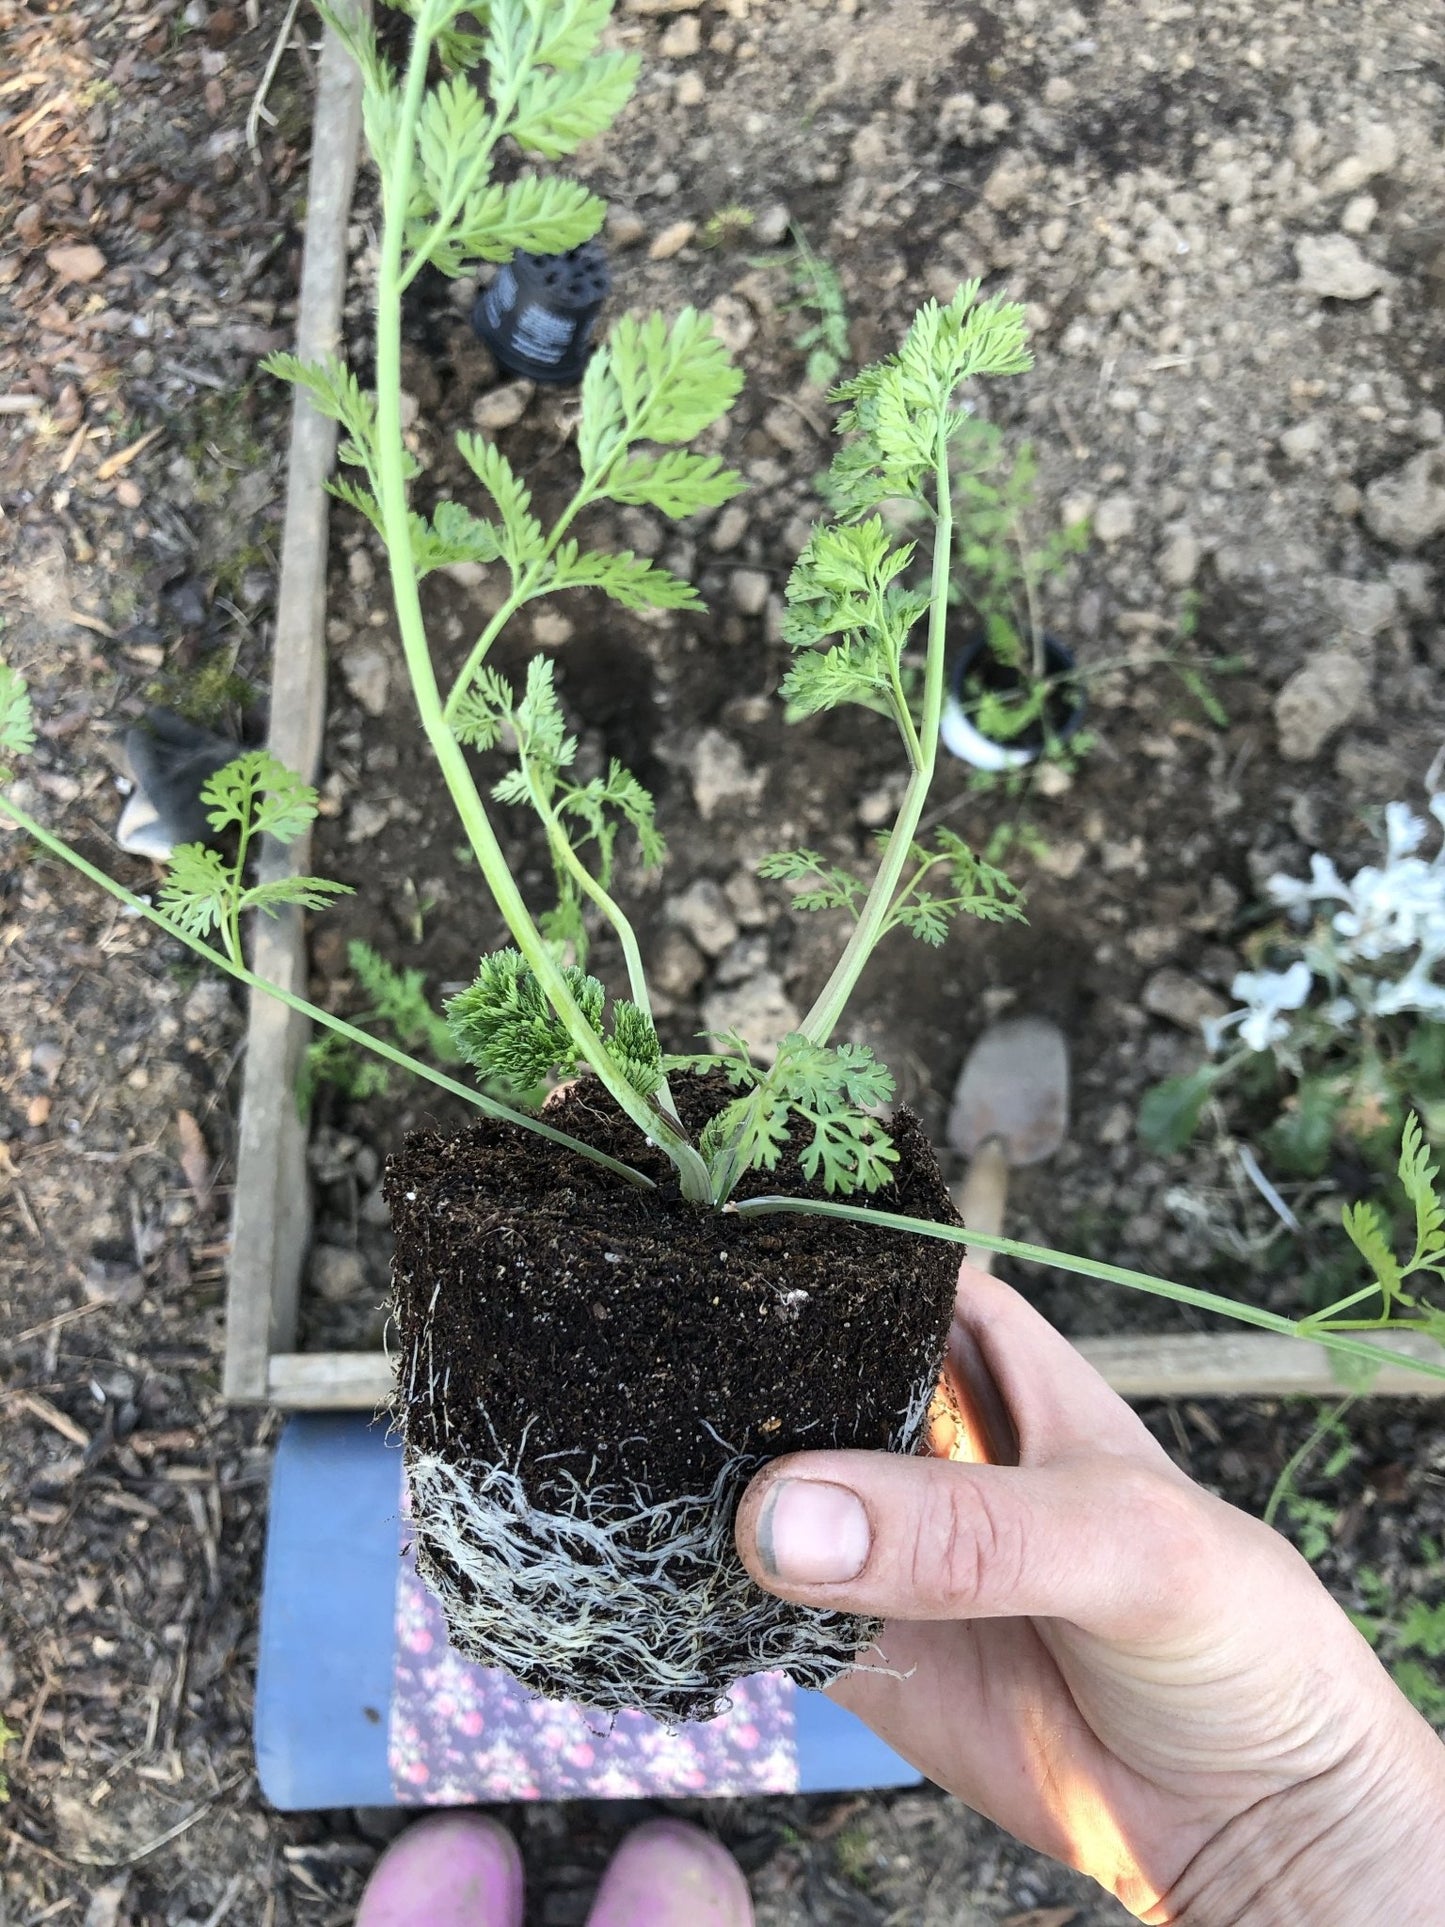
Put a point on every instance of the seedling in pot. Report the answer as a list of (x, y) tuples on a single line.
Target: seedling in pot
[(611, 1311), (1013, 693)]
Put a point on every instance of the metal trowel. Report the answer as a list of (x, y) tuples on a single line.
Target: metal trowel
[(1010, 1107)]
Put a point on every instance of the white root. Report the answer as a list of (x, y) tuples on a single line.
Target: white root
[(612, 1600)]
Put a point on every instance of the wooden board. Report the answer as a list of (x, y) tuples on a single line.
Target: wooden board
[(1191, 1365), (271, 1212)]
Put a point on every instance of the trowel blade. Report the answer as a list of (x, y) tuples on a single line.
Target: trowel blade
[(1014, 1086)]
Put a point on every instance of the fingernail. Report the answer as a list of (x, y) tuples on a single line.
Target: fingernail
[(810, 1534)]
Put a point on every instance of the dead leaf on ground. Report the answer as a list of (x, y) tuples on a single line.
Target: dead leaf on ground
[(195, 1158), (75, 261)]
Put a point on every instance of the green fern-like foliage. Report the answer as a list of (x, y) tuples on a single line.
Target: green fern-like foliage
[(503, 1026), (17, 720), (582, 820), (945, 881), (205, 892), (820, 1093)]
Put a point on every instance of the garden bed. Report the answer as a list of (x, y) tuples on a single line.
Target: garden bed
[(1143, 864), (127, 1616)]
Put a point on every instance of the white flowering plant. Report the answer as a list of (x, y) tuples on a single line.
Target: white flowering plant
[(1338, 1035)]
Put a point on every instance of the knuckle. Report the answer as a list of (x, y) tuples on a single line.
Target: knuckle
[(968, 1544), (1170, 1518)]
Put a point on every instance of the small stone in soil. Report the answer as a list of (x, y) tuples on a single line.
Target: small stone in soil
[(1406, 507), (1178, 560), (720, 774), (672, 240), (551, 629), (1304, 441), (702, 911), (682, 39), (760, 1010), (675, 966), (502, 407), (76, 262), (748, 589), (338, 1274), (624, 228), (1114, 518), (367, 675), (1332, 267), (729, 529), (1319, 699), (1181, 999)]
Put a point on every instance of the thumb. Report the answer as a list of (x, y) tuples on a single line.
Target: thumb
[(1107, 1543)]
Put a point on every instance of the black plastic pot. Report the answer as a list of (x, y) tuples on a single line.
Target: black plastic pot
[(537, 315), (977, 670)]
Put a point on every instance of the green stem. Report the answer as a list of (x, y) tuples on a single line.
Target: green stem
[(502, 109), (525, 588), (1093, 1268), (391, 491), (377, 1045), (1284, 1484), (1342, 1304), (821, 1020), (564, 853)]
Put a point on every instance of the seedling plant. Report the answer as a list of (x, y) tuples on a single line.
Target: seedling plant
[(566, 1557), (815, 296)]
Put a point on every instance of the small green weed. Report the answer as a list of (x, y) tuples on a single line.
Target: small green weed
[(816, 297), (1313, 1519), (727, 227), (398, 1005), (1409, 1637), (8, 1737)]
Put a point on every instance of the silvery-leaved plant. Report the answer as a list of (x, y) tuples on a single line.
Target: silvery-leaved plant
[(531, 79)]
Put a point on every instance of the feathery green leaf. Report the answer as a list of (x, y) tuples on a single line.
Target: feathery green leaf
[(522, 539), (199, 891), (677, 482), (1369, 1234), (831, 888), (307, 893), (259, 794), (557, 111), (17, 718), (629, 579), (1419, 1177), (503, 1026)]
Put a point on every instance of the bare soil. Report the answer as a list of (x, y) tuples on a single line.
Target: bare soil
[(1143, 177)]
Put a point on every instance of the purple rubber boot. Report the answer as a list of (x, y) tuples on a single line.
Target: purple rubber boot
[(449, 1870), (668, 1874)]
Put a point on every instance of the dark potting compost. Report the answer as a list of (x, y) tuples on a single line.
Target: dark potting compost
[(589, 1373)]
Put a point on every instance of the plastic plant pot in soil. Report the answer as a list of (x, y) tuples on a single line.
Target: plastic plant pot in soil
[(589, 1374), (1063, 709), (537, 315)]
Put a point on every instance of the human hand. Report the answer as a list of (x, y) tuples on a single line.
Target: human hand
[(1122, 1670)]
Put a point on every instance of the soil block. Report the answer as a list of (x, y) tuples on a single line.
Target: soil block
[(589, 1374)]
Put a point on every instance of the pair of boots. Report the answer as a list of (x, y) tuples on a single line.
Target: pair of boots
[(464, 1870)]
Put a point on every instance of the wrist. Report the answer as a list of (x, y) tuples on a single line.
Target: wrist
[(1362, 1843)]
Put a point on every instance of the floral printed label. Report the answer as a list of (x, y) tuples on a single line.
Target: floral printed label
[(462, 1733)]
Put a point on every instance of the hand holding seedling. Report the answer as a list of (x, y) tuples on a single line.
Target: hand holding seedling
[(1105, 1659)]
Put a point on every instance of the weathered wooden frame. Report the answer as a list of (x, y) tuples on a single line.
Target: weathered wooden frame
[(271, 1220)]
